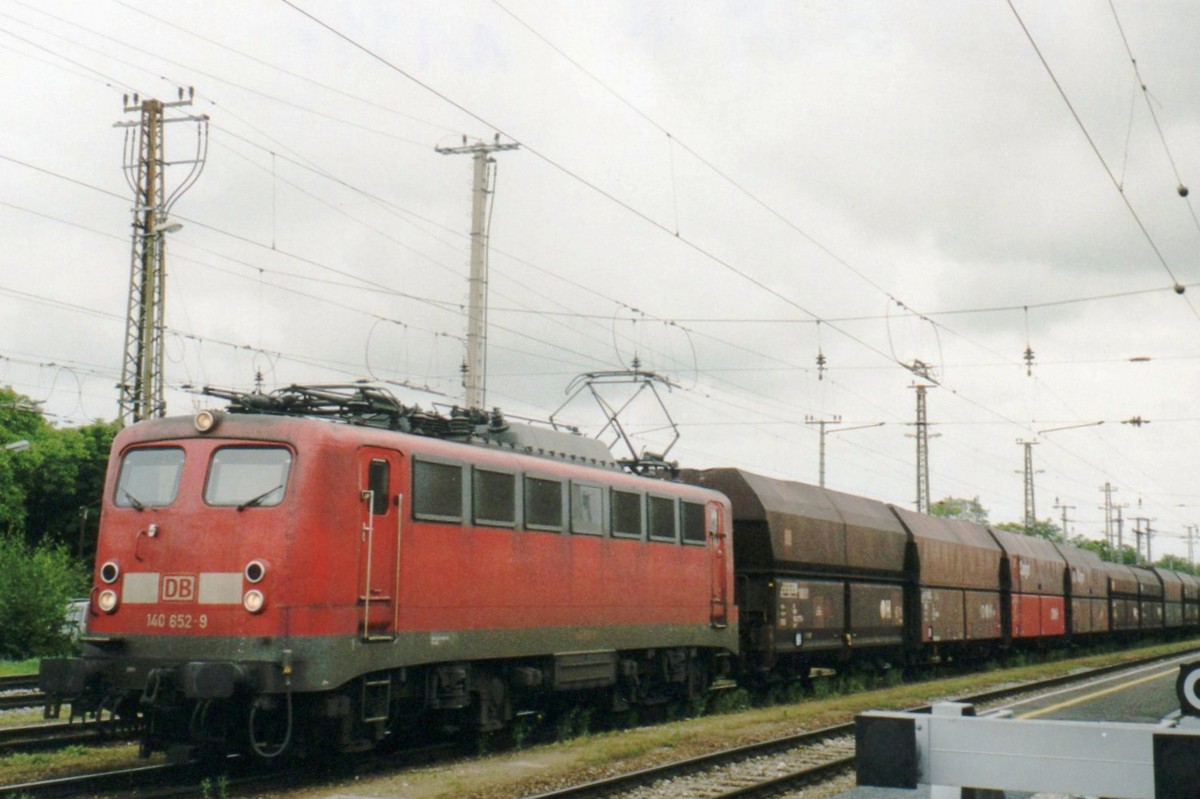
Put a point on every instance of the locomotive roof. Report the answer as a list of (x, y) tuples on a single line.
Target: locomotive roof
[(370, 406)]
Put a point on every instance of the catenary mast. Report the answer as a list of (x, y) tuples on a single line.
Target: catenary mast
[(484, 175)]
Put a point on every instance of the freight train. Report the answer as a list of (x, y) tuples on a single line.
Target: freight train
[(322, 568)]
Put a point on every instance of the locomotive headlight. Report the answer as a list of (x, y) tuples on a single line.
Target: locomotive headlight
[(109, 572), (107, 600), (204, 421), (255, 571), (253, 601)]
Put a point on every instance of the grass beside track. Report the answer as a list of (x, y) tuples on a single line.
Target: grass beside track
[(525, 772), (588, 755), (10, 668)]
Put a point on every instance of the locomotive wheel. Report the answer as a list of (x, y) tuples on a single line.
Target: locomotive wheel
[(1187, 688)]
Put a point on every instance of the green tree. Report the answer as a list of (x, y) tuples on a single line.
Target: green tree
[(20, 420), (1124, 554), (35, 585), (44, 488), (65, 475), (960, 508), (1175, 564), (1041, 529)]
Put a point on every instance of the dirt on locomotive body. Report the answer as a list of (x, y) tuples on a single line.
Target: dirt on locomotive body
[(323, 568)]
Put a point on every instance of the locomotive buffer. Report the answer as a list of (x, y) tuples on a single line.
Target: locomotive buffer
[(951, 747)]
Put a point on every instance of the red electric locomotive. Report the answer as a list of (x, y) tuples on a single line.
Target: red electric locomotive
[(266, 580)]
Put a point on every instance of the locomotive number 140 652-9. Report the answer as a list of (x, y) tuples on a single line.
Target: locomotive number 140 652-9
[(176, 621)]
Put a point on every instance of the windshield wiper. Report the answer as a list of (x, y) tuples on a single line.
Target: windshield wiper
[(254, 503), (133, 501)]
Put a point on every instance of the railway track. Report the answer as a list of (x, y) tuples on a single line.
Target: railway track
[(21, 700), (19, 682), (773, 767), (20, 691), (40, 737), (765, 768)]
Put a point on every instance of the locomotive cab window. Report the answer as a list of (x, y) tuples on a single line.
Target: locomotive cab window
[(691, 522), (660, 517), (437, 491), (149, 477), (543, 504), (495, 495), (626, 514), (587, 510), (247, 477)]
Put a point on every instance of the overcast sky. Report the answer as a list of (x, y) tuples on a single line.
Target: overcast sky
[(722, 191)]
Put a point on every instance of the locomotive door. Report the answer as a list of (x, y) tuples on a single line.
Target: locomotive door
[(719, 560), (379, 543)]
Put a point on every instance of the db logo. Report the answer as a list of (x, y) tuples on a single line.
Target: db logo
[(179, 588)]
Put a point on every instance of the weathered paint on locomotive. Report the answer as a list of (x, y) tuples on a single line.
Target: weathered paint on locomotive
[(353, 583)]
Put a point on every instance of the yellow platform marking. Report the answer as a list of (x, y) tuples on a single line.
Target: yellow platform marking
[(1097, 694)]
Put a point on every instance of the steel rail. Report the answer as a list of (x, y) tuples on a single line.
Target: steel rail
[(18, 701), (610, 786), (166, 775), (40, 737), (19, 682)]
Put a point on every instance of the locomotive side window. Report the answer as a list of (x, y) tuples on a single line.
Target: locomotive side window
[(247, 477), (626, 514), (587, 509), (149, 478), (692, 522), (660, 512), (379, 483), (495, 498), (543, 504), (437, 491)]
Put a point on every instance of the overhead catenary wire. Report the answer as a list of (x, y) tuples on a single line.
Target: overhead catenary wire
[(534, 311), (1176, 284), (556, 165), (1181, 185)]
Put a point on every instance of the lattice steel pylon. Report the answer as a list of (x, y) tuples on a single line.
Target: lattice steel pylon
[(145, 166), (922, 452), (922, 371), (1030, 510)]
